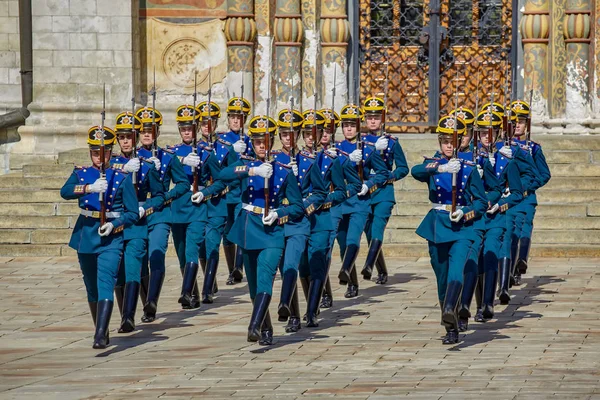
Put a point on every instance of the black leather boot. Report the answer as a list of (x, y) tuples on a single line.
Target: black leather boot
[(144, 282), (348, 264), (305, 283), (259, 311), (382, 272), (327, 300), (312, 304), (479, 299), (288, 287), (103, 313), (490, 281), (215, 289), (190, 272), (294, 324), (266, 332), (93, 309), (210, 276), (237, 273), (229, 252), (504, 268), (132, 291), (352, 290), (374, 249), (154, 287), (466, 298), (524, 246), (119, 295), (449, 315)]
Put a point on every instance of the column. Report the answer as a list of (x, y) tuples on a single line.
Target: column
[(335, 33), (264, 12), (288, 54), (310, 61)]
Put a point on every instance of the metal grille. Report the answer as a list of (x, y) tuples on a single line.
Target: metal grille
[(475, 35)]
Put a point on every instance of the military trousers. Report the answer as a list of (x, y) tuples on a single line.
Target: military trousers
[(350, 229), (316, 257), (132, 261), (261, 266), (377, 220), (524, 222), (158, 241), (215, 228), (100, 273), (232, 212), (514, 222), (292, 255), (187, 239), (448, 262)]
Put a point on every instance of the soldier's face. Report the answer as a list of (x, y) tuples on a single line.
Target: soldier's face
[(97, 161), (373, 122), (464, 141), (125, 143), (146, 137), (260, 147), (307, 136), (186, 132), (326, 138), (286, 139), (483, 138), (349, 130), (521, 127), (204, 127), (235, 122), (446, 146)]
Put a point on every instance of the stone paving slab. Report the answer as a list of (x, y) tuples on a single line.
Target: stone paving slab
[(384, 344)]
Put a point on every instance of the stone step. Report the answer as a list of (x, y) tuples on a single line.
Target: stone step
[(44, 170), (17, 181), (30, 196), (41, 222), (573, 170)]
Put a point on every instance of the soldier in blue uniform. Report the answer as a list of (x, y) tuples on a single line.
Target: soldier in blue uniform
[(260, 233), (100, 247), (147, 184), (382, 199), (522, 113), (159, 222), (352, 216), (229, 147), (312, 189), (215, 195), (450, 234)]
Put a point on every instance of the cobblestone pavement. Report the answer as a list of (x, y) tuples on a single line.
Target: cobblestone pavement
[(385, 343)]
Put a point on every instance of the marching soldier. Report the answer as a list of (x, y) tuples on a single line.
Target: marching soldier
[(147, 184), (108, 205), (382, 199), (522, 113), (215, 192), (449, 233), (312, 189), (352, 216), (229, 147), (258, 228), (159, 222)]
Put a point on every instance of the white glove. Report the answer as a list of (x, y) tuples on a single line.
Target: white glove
[(493, 210), (264, 170), (356, 156), (331, 152), (381, 143), (456, 215), (239, 146), (197, 197), (480, 170), (492, 160), (156, 162), (191, 160), (132, 165), (506, 151), (271, 218), (142, 212), (294, 167), (106, 229), (99, 186), (364, 190), (453, 166), (506, 193)]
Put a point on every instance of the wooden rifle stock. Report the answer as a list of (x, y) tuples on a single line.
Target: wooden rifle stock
[(359, 146), (454, 156)]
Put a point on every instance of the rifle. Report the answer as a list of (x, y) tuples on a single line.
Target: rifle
[(528, 135), (359, 141), (292, 132), (134, 133), (491, 145), (506, 123), (194, 136), (242, 112), (385, 96), (332, 119), (314, 127), (268, 148), (102, 158), (210, 133), (154, 127), (475, 125), (455, 145)]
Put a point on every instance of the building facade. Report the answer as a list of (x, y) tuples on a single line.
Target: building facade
[(417, 54)]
